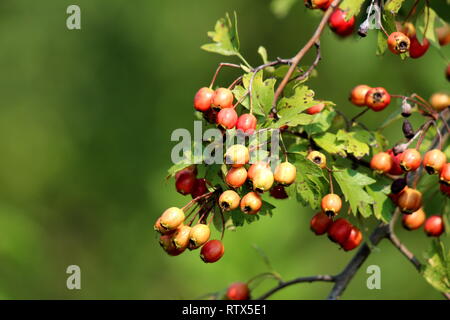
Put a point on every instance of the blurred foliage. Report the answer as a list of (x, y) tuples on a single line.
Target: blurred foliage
[(85, 124)]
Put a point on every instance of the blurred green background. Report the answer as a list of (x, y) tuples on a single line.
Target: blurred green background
[(85, 124)]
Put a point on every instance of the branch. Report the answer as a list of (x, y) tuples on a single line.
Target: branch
[(296, 59), (321, 278)]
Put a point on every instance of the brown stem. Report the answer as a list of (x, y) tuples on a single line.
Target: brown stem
[(296, 59), (221, 65)]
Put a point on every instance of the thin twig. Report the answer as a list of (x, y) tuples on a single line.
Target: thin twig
[(221, 65)]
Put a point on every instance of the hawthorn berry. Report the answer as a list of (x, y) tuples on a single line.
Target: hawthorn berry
[(434, 226), (320, 223), (398, 42), (407, 129), (246, 123), (315, 108), (278, 192), (417, 49), (263, 180), (381, 162), (434, 160), (229, 200), (157, 227), (210, 115), (398, 185), (256, 167), (223, 98), (396, 169), (212, 251), (339, 231), (199, 188), (181, 237), (414, 220), (236, 177), (237, 155), (358, 95), (185, 182), (445, 189), (227, 118), (238, 291), (377, 99), (331, 204), (191, 169), (251, 203), (410, 160), (199, 235), (318, 158), (203, 99), (410, 200), (354, 239), (443, 35), (166, 242), (444, 177), (172, 218), (285, 173), (317, 4), (440, 101), (341, 24)]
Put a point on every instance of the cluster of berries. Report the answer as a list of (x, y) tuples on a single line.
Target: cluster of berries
[(375, 98), (340, 231)]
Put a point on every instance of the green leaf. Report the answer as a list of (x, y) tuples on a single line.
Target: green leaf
[(356, 142), (352, 7), (328, 142), (437, 267), (352, 184), (393, 5), (383, 207), (281, 8), (263, 53), (424, 30), (290, 109), (321, 122), (225, 37), (311, 184)]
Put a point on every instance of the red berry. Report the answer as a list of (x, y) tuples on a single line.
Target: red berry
[(191, 169), (444, 177), (166, 242), (434, 160), (354, 239), (210, 115), (377, 99), (339, 24), (256, 167), (251, 203), (236, 177), (396, 169), (246, 123), (410, 160), (320, 223), (381, 162), (223, 98), (203, 99), (318, 4), (199, 189), (339, 231), (185, 183), (358, 95), (263, 180), (278, 192), (331, 204), (315, 109), (398, 42), (238, 291), (447, 72), (212, 251), (237, 155), (227, 118), (417, 49), (445, 189), (434, 226), (414, 220), (171, 219)]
